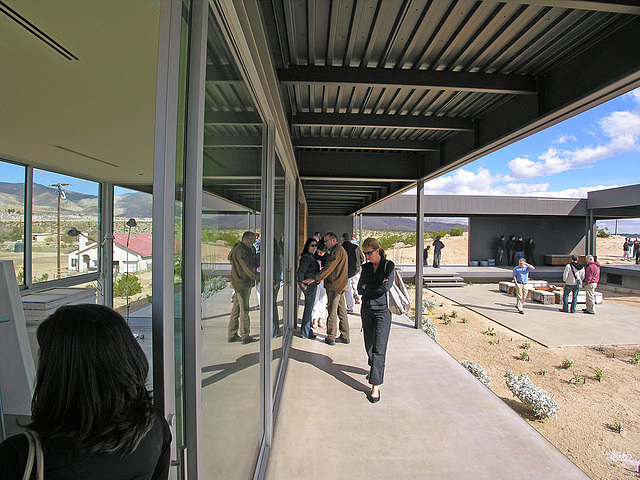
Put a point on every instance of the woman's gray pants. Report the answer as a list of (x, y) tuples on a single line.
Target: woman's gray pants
[(376, 325)]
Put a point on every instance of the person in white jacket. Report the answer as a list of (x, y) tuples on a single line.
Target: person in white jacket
[(573, 277)]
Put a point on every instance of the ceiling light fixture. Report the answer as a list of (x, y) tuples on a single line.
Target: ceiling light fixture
[(35, 31), (85, 155)]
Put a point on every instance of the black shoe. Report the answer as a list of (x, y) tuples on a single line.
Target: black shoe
[(343, 340), (373, 399), (235, 338), (584, 310), (521, 312), (350, 312), (312, 336), (247, 340), (563, 310), (328, 341)]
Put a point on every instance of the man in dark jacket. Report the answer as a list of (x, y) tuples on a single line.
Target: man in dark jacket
[(355, 260), (243, 276), (510, 250), (336, 280), (518, 247)]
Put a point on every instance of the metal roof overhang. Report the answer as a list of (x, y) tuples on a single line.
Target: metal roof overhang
[(382, 93)]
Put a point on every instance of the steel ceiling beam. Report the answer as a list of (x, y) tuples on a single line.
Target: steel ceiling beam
[(404, 78), (611, 6), (232, 118), (366, 144), (414, 122)]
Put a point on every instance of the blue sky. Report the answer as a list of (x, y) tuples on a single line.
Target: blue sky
[(597, 149)]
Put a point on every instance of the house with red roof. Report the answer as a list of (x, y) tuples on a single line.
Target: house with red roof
[(130, 253)]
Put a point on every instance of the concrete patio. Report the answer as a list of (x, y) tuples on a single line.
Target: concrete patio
[(612, 324), (434, 420)]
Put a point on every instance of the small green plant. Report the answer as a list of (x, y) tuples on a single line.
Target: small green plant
[(454, 314), (526, 346), (567, 364), (430, 328), (616, 426), (524, 356), (577, 378), (495, 341), (541, 372), (490, 331), (120, 286), (465, 320), (446, 321), (636, 357), (601, 349), (599, 373), (444, 317)]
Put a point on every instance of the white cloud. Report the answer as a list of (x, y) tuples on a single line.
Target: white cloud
[(564, 138), (621, 131)]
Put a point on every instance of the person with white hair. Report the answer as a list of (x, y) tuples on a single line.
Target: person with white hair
[(591, 279), (520, 280)]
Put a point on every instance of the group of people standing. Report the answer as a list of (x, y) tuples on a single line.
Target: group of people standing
[(574, 276), (343, 273), (514, 249), (631, 250)]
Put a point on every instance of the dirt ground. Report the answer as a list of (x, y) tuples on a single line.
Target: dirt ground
[(590, 411)]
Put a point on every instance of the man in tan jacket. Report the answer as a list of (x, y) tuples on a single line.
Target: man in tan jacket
[(335, 276), (243, 275)]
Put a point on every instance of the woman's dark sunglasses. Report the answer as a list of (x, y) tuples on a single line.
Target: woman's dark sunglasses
[(313, 245), (369, 253)]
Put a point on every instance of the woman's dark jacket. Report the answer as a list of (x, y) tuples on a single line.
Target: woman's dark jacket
[(308, 267), (372, 286)]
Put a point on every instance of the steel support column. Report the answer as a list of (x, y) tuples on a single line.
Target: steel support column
[(419, 249)]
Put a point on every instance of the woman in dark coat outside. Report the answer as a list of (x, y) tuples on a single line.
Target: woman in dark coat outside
[(376, 279), (529, 247), (308, 268)]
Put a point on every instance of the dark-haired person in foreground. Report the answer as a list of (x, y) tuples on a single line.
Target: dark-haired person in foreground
[(90, 407), (376, 279)]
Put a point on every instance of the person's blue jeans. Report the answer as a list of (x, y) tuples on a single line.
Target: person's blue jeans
[(570, 289), (309, 300), (519, 255), (436, 259)]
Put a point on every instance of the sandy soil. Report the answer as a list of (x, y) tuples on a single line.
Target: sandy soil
[(590, 410)]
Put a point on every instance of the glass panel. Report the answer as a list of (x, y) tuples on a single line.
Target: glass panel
[(12, 216), (278, 258), (232, 175), (65, 226)]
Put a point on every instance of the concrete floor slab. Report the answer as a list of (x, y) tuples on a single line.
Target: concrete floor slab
[(612, 324), (434, 420)]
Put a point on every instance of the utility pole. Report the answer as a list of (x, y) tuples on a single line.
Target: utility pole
[(61, 195)]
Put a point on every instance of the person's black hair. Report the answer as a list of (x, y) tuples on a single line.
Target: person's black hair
[(307, 243), (322, 247), (346, 237), (331, 235), (90, 384)]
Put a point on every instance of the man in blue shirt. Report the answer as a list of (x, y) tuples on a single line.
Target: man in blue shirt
[(520, 280)]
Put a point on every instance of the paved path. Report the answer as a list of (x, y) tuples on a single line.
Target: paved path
[(612, 324), (435, 420)]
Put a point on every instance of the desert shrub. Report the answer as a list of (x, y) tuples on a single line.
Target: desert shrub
[(213, 285), (429, 305), (603, 232), (457, 231), (430, 328), (120, 285), (477, 371), (537, 399), (566, 364)]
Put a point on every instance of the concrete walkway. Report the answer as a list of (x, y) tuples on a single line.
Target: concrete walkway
[(434, 420), (612, 324)]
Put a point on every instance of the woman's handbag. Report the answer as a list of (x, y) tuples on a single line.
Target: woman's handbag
[(399, 299), (35, 453)]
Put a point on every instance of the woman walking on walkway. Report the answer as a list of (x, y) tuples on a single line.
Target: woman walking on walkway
[(308, 268), (376, 280)]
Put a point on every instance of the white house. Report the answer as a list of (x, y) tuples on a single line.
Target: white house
[(132, 259)]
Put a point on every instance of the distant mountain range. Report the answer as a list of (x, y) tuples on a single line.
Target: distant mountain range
[(45, 201), (139, 205)]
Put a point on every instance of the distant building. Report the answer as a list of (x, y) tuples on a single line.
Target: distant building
[(132, 259)]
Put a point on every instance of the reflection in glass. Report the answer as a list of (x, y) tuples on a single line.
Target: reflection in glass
[(61, 203), (278, 277), (232, 173), (12, 216)]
